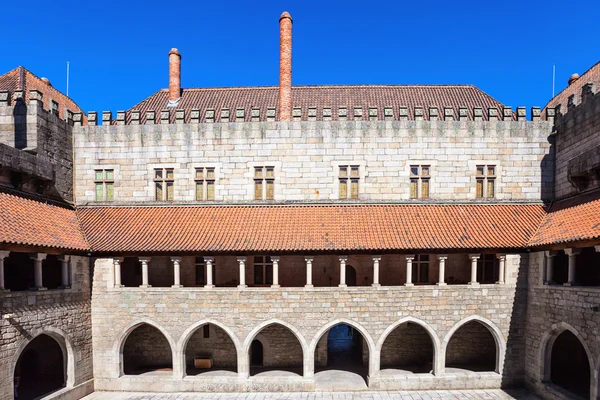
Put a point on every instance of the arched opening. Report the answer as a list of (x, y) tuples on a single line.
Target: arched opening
[(408, 349), (210, 350), (279, 350), (350, 275), (341, 348), (472, 347), (40, 369), (147, 351), (569, 365), (256, 354)]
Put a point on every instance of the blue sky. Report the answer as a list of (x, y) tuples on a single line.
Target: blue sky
[(118, 50)]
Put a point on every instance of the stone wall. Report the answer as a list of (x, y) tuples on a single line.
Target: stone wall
[(218, 345), (551, 310), (308, 313), (306, 157), (64, 315), (146, 348), (472, 346), (408, 346), (280, 347)]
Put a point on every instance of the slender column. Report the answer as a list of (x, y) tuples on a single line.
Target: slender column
[(37, 270), (145, 261), (64, 269), (376, 260), (442, 269), (309, 261), (242, 262), (343, 260), (501, 269), (275, 260), (208, 261), (549, 267), (3, 255), (117, 267), (409, 260), (474, 258), (176, 272), (572, 253)]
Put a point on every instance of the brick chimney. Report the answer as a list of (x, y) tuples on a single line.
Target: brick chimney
[(285, 67), (174, 75)]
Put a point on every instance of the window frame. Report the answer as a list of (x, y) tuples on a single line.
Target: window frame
[(104, 182), (165, 183), (486, 179), (204, 181), (347, 178), (263, 179), (422, 181), (418, 263), (485, 259), (264, 265)]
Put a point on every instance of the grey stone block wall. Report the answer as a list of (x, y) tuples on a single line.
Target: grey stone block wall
[(307, 155)]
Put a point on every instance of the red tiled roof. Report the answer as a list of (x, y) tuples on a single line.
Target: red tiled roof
[(30, 222), (591, 75), (22, 79), (571, 220), (309, 228), (365, 96)]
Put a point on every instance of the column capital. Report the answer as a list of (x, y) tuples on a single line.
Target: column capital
[(241, 259), (145, 259), (38, 256), (118, 260), (209, 259), (377, 258), (597, 248), (64, 257), (501, 256), (474, 256), (343, 258), (4, 254), (550, 253), (410, 257), (176, 259), (442, 257), (309, 258), (572, 252), (275, 258)]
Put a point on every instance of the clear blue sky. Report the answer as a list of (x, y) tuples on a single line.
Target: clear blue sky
[(119, 49)]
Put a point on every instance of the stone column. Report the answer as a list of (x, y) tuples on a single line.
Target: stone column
[(208, 261), (117, 267), (442, 269), (64, 270), (242, 262), (376, 260), (275, 260), (501, 269), (145, 261), (474, 258), (409, 260), (343, 260), (309, 261), (572, 253), (549, 267), (176, 272), (37, 270), (3, 255)]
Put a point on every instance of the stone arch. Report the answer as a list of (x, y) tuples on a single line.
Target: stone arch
[(373, 364), (120, 342), (430, 331), (243, 356), (63, 342), (545, 353), (189, 332), (491, 327)]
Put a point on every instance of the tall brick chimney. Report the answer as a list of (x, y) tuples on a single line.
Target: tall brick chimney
[(285, 67), (174, 75)]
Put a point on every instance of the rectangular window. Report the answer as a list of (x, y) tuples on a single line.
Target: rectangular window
[(420, 268), (201, 272), (104, 181), (419, 181), (263, 270), (349, 177), (205, 184), (164, 189), (485, 182), (264, 183), (486, 269), (206, 333)]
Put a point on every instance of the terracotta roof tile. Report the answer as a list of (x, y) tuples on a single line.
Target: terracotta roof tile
[(31, 222), (365, 96), (308, 228)]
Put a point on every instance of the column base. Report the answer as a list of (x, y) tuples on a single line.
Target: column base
[(3, 290), (309, 286), (442, 284), (500, 283), (65, 287), (209, 286), (409, 284), (119, 286), (275, 286), (242, 286), (176, 286), (569, 284), (376, 285), (145, 286), (38, 289), (473, 283), (549, 283), (343, 286)]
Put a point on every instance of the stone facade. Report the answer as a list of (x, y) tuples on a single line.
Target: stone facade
[(306, 157)]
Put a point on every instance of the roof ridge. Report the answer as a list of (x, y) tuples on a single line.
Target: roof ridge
[(339, 86), (566, 87)]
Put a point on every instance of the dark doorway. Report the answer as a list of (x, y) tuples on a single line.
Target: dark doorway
[(256, 354), (40, 369), (569, 365), (350, 275)]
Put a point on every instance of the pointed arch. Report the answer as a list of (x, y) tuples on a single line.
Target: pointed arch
[(262, 325)]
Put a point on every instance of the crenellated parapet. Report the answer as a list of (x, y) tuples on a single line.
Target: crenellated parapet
[(35, 98), (313, 113)]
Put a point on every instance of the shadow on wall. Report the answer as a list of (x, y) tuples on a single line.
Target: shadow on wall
[(20, 118), (547, 173)]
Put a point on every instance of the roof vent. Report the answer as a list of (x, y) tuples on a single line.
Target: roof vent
[(573, 78), (46, 81)]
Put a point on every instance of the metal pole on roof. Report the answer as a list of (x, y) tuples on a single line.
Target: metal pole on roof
[(67, 79), (553, 78)]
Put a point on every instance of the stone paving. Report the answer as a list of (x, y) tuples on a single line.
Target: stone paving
[(492, 394)]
